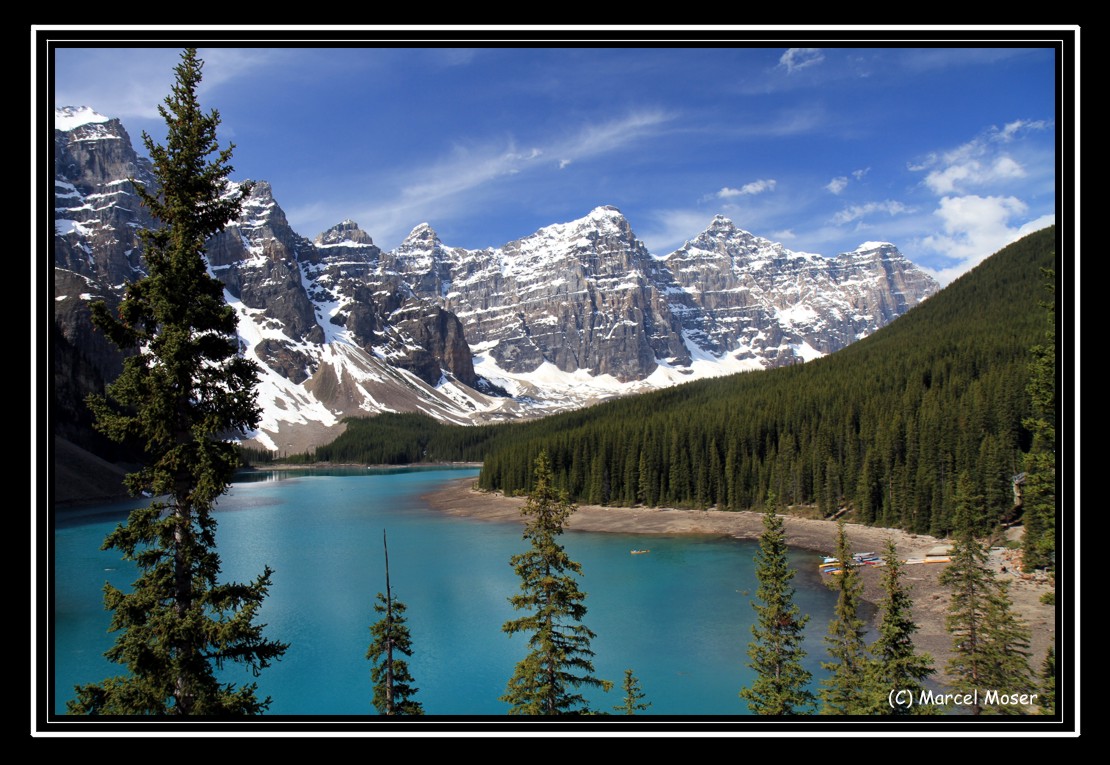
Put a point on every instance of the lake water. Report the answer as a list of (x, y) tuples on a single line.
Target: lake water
[(679, 617)]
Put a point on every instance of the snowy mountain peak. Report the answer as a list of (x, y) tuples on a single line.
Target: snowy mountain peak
[(423, 235), (605, 220), (69, 117), (606, 216), (347, 234), (869, 246), (605, 211), (722, 238)]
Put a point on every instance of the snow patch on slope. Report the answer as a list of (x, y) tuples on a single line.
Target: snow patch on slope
[(67, 118)]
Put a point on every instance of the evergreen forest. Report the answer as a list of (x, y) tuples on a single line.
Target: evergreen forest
[(883, 428)]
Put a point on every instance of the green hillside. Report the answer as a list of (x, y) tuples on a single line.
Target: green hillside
[(884, 427)]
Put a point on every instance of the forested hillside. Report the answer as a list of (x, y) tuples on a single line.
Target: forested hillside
[(885, 427)]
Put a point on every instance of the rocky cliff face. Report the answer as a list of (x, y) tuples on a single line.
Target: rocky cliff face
[(97, 214), (587, 295), (572, 314), (580, 295), (746, 295)]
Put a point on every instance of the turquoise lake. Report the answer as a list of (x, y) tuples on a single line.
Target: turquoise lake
[(680, 617)]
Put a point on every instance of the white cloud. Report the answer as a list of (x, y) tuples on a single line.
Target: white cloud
[(1011, 129), (755, 187), (978, 163), (968, 173), (976, 227), (563, 163), (838, 184), (1006, 167), (758, 187), (856, 212), (800, 58)]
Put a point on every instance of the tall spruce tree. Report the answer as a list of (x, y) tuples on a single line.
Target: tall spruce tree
[(393, 683), (559, 659), (989, 643), (181, 395), (846, 691), (896, 665), (781, 686)]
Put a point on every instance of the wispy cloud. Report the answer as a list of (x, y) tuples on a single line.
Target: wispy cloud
[(755, 187), (969, 173), (469, 168), (223, 65), (978, 163), (1012, 129), (604, 137), (857, 212), (839, 183), (450, 187), (800, 58)]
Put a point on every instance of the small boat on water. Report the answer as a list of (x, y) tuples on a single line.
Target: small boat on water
[(639, 552)]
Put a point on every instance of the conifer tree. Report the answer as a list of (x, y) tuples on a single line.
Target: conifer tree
[(1039, 493), (633, 696), (845, 691), (1047, 697), (393, 683), (776, 653), (896, 665), (989, 643), (559, 659), (182, 393)]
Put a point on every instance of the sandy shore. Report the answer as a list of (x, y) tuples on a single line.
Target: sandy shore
[(459, 498)]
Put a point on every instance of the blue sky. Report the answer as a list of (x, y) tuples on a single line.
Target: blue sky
[(948, 152)]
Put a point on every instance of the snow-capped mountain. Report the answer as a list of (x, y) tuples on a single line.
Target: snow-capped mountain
[(755, 299), (572, 314)]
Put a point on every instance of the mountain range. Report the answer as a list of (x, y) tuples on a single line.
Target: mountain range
[(572, 314)]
